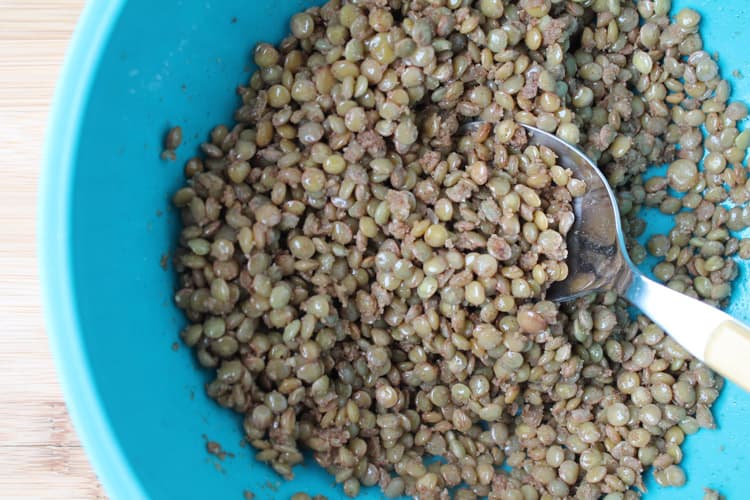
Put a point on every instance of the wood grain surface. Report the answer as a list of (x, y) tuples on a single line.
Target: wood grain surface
[(40, 456)]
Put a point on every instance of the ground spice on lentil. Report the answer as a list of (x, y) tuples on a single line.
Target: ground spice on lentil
[(369, 285)]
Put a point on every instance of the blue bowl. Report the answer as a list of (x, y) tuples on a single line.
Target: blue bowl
[(136, 68)]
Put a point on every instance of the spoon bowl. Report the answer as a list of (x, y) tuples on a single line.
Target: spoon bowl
[(598, 261)]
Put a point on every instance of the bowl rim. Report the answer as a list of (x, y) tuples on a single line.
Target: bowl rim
[(62, 321)]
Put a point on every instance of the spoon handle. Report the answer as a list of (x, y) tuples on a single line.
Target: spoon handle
[(709, 334)]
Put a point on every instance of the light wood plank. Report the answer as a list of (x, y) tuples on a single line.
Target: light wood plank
[(47, 472), (40, 456)]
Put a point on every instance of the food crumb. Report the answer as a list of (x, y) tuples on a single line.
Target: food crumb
[(738, 74), (159, 213), (304, 496), (164, 261), (175, 346), (216, 450), (248, 495), (234, 20), (711, 494), (272, 486)]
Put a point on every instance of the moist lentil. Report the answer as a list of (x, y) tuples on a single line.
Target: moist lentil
[(172, 141), (369, 285)]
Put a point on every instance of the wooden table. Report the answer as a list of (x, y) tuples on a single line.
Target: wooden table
[(40, 456)]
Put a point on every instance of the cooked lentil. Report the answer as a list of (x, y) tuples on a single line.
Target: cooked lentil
[(172, 141), (369, 285)]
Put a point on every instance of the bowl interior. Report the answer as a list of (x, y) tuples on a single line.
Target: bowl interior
[(178, 63)]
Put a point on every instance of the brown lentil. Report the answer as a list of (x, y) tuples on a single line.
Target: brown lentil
[(172, 141), (368, 284)]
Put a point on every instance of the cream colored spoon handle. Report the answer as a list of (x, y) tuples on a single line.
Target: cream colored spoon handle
[(728, 352), (709, 334)]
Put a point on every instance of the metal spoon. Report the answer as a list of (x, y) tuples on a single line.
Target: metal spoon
[(598, 261)]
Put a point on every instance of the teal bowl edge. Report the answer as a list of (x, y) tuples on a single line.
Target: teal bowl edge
[(54, 220)]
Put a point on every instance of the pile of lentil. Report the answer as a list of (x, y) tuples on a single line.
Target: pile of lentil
[(369, 285)]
